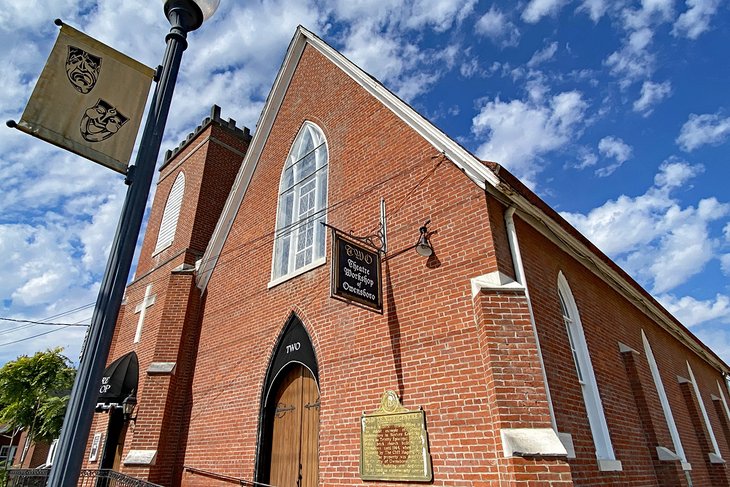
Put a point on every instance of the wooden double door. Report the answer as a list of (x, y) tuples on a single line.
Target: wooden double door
[(295, 429)]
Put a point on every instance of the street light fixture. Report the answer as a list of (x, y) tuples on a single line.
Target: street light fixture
[(184, 16)]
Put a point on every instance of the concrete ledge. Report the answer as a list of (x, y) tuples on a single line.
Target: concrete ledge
[(567, 440), (531, 442), (667, 455), (610, 465), (162, 368), (141, 457), (686, 466), (715, 458), (494, 281), (623, 348)]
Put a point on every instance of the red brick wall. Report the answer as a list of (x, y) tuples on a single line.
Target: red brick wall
[(608, 319), (470, 363), (425, 344), (169, 333)]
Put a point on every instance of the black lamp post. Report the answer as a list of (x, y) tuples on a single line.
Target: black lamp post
[(184, 16)]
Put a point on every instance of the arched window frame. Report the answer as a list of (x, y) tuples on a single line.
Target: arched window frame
[(171, 214), (587, 379), (302, 185)]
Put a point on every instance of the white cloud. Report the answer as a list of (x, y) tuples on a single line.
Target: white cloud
[(633, 61), (595, 9), (725, 264), (696, 19), (651, 94), (614, 148), (586, 158), (496, 26), (691, 312), (520, 132), (543, 55), (537, 9), (704, 129), (652, 235), (718, 340)]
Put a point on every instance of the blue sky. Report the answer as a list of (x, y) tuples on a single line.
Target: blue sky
[(614, 112)]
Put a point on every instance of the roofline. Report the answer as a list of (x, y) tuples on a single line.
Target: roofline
[(487, 175), (463, 159), (567, 236)]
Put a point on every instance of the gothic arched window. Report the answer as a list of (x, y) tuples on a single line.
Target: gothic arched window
[(586, 377), (300, 238)]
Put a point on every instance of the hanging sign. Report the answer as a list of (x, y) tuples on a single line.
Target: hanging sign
[(356, 272), (89, 100)]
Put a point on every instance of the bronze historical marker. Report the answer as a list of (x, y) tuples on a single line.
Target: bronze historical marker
[(394, 443)]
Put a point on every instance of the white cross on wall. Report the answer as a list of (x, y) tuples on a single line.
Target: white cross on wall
[(141, 308)]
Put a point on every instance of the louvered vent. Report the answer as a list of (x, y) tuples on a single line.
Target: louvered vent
[(171, 214)]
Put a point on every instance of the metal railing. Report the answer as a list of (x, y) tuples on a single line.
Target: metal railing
[(37, 477)]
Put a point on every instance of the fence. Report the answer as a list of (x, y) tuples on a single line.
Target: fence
[(37, 477)]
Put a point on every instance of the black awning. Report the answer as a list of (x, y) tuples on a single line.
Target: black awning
[(119, 379)]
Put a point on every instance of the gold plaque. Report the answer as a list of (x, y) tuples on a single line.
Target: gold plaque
[(394, 443)]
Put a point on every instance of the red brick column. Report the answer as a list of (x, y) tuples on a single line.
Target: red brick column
[(164, 403), (516, 391), (669, 474), (717, 471)]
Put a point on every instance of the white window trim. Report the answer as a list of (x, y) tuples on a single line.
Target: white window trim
[(163, 244), (301, 270), (664, 401), (716, 456), (275, 281), (591, 397)]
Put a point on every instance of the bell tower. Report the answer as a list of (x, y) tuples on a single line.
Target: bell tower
[(159, 319)]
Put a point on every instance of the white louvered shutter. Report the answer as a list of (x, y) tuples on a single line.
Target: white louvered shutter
[(171, 214)]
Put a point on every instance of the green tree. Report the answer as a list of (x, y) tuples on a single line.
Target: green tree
[(34, 392)]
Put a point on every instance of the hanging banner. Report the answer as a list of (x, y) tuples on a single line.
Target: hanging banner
[(89, 100), (356, 272)]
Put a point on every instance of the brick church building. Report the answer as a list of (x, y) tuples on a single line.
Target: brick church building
[(349, 265)]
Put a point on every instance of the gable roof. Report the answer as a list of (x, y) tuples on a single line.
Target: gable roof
[(462, 158), (489, 176)]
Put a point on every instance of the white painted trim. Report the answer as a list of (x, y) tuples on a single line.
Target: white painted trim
[(514, 246), (554, 232), (294, 226), (663, 399), (589, 387), (706, 418), (298, 272), (724, 402)]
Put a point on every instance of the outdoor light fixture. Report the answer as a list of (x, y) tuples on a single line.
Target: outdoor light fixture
[(191, 13), (128, 405), (423, 247), (184, 16)]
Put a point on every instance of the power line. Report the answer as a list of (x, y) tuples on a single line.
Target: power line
[(262, 240), (14, 320), (34, 336)]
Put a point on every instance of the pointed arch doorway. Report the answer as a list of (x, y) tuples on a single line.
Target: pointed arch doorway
[(289, 440)]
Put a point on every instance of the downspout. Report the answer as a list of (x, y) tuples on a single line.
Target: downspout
[(514, 248)]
